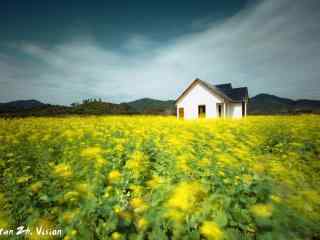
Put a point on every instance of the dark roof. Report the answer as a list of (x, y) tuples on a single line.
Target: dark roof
[(223, 90), (236, 94), (226, 86)]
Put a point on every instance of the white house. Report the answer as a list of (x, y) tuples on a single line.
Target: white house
[(203, 100)]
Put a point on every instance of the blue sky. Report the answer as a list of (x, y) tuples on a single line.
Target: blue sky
[(65, 51)]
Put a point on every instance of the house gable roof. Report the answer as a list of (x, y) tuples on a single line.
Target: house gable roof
[(223, 90), (222, 87), (237, 94)]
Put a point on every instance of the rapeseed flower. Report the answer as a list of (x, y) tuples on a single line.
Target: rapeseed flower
[(70, 215), (23, 179), (154, 182), (116, 236), (142, 224), (276, 198), (3, 220), (183, 163), (138, 204), (137, 190), (211, 231), (258, 167), (114, 176), (91, 152), (82, 188), (186, 195), (62, 170), (204, 162), (137, 163), (71, 196), (247, 179), (35, 187), (175, 214), (262, 210), (125, 215), (169, 166), (312, 196)]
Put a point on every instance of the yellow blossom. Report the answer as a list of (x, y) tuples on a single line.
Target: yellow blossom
[(108, 191), (312, 196), (204, 162), (35, 187), (62, 170), (69, 216), (276, 199), (258, 167), (175, 215), (71, 196), (261, 210), (225, 159), (154, 182), (182, 163), (136, 189), (211, 231), (186, 195), (4, 223), (137, 163), (114, 176), (125, 215), (247, 179), (116, 236), (117, 209), (91, 152), (23, 179), (138, 204), (82, 188), (142, 224)]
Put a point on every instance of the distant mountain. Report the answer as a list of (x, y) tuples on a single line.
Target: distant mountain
[(88, 107), (270, 104), (153, 106), (20, 105), (30, 108), (262, 104), (307, 105)]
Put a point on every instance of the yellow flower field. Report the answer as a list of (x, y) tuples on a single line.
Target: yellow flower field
[(144, 177)]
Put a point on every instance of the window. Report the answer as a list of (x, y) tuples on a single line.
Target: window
[(202, 111), (181, 113)]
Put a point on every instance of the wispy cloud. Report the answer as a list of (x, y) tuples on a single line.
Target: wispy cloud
[(272, 46)]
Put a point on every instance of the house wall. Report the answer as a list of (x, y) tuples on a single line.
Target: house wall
[(199, 95), (235, 110)]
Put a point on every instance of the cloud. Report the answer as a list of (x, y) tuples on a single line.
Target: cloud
[(271, 46)]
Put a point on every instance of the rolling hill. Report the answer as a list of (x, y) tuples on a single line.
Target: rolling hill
[(153, 106), (271, 104), (20, 105), (260, 104)]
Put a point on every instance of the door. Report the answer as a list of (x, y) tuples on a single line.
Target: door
[(219, 109), (181, 113), (243, 109), (202, 111)]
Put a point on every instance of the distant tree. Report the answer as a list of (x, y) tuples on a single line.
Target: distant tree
[(74, 104)]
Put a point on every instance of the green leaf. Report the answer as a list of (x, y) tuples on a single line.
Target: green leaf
[(221, 219)]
